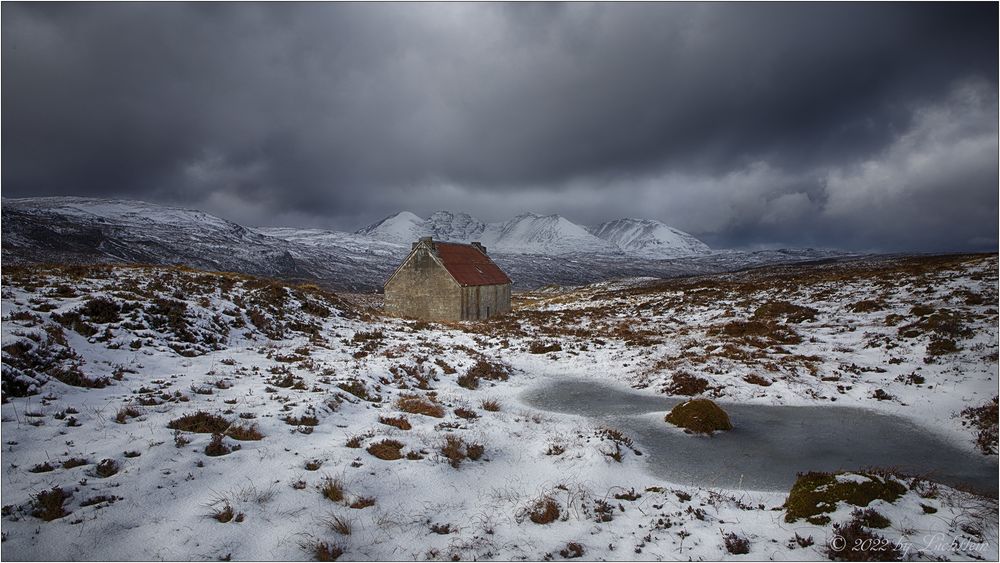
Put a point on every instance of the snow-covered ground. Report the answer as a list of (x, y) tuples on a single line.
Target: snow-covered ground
[(328, 384)]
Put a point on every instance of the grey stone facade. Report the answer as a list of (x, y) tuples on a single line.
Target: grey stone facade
[(425, 287)]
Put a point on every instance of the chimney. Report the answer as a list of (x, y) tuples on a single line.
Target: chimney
[(429, 241), (479, 245)]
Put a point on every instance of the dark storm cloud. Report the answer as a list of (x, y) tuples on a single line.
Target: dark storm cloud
[(748, 124)]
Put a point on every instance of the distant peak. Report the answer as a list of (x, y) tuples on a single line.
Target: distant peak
[(405, 215), (533, 215)]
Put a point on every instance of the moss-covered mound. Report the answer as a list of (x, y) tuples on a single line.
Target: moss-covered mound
[(816, 493), (699, 415)]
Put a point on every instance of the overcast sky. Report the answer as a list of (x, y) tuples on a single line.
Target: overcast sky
[(855, 126)]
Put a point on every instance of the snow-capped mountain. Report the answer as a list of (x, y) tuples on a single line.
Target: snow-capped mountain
[(530, 233), (649, 238), (403, 228), (534, 250)]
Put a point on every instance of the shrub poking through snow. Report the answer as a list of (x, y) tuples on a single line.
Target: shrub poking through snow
[(76, 462), (362, 502), (489, 371), (490, 405), (699, 415), (618, 439), (861, 544), (469, 381), (755, 379), (540, 347), (217, 447), (106, 468), (388, 450), (684, 383), (544, 511), (984, 419), (571, 551), (202, 422), (307, 419), (784, 310), (359, 390), (332, 488), (325, 551), (339, 524), (870, 518), (398, 422), (455, 450), (48, 505), (475, 451), (416, 404), (817, 493), (736, 544), (224, 514), (44, 467), (125, 413), (467, 414)]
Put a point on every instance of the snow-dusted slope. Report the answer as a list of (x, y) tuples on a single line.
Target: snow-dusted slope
[(74, 230), (529, 233), (403, 227), (534, 250), (649, 238)]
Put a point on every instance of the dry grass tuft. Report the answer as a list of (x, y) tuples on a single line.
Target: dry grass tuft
[(490, 405), (206, 423), (332, 488), (699, 415), (416, 404), (983, 419), (363, 502), (684, 383), (399, 422), (48, 505), (339, 524), (125, 413), (389, 450), (325, 551), (572, 550), (544, 511), (106, 468), (217, 447)]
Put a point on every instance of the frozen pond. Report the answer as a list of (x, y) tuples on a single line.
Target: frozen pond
[(768, 444)]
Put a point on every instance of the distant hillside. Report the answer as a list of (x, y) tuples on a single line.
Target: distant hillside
[(534, 250), (530, 233)]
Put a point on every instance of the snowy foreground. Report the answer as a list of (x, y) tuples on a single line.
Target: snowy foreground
[(324, 430)]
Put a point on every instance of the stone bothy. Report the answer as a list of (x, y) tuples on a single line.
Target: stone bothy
[(445, 281)]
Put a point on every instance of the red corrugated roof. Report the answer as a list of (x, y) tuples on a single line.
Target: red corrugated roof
[(468, 265)]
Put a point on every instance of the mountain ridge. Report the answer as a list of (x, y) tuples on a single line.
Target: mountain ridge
[(74, 230), (532, 233)]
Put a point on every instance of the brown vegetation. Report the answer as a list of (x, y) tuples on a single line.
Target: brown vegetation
[(701, 416)]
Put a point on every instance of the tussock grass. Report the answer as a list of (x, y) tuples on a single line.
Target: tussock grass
[(398, 422), (417, 404), (48, 505), (332, 488), (701, 416), (545, 510), (389, 450)]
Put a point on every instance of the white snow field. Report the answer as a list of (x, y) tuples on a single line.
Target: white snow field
[(168, 413)]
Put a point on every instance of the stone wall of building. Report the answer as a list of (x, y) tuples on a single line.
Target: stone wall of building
[(423, 289), (485, 301)]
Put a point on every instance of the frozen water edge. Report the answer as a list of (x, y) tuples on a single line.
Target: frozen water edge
[(769, 444)]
